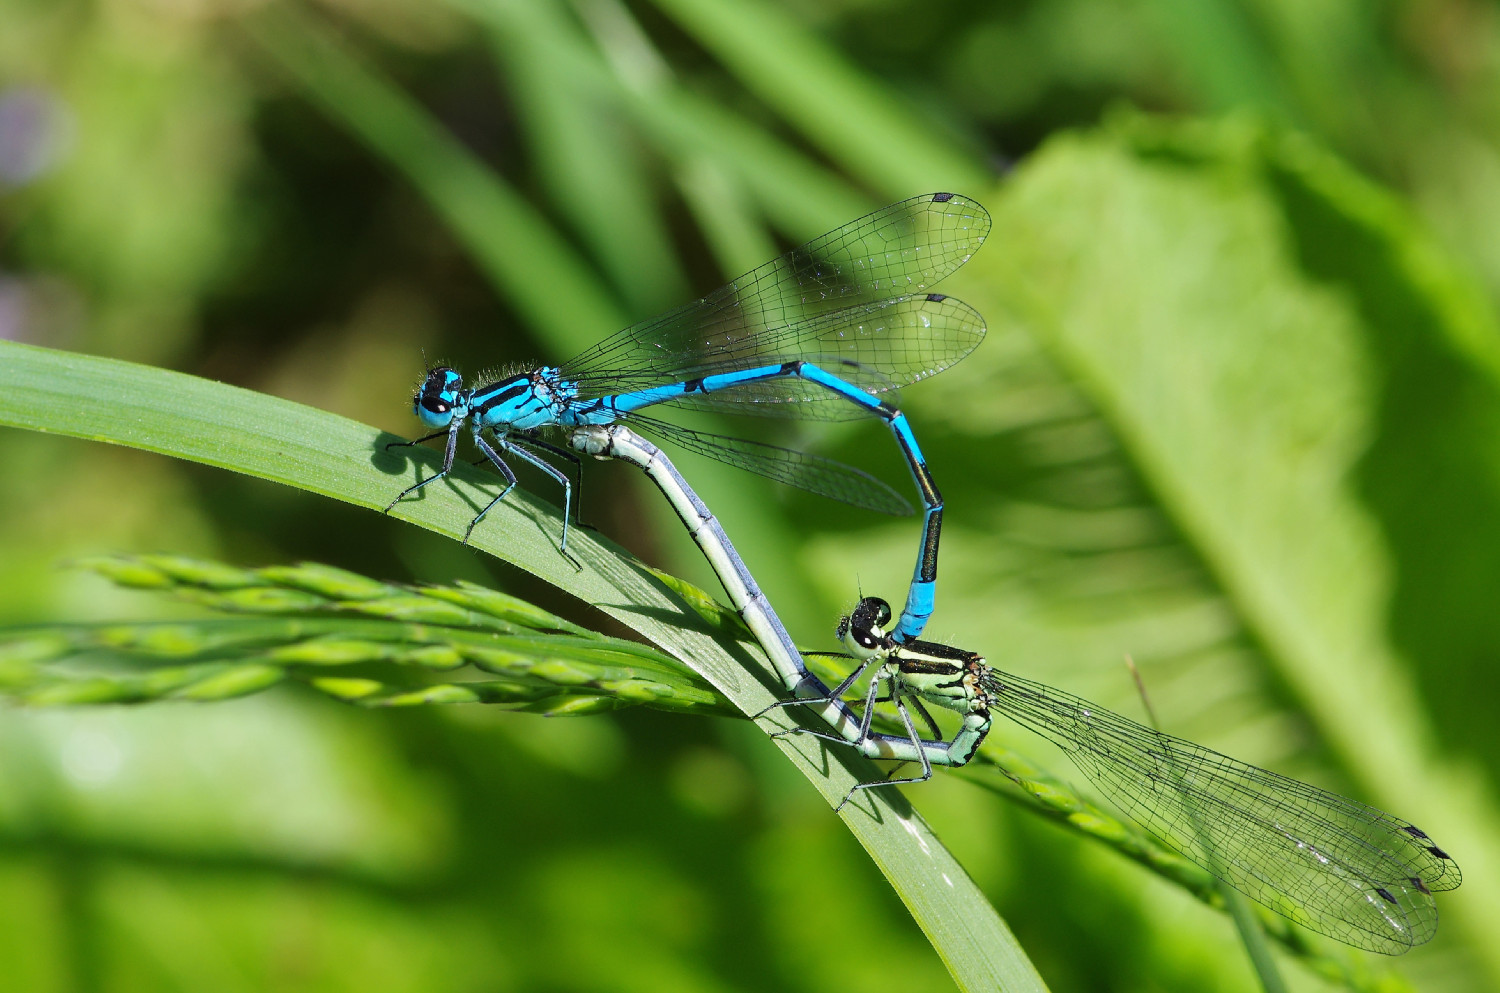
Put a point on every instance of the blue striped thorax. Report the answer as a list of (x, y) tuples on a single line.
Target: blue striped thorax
[(523, 402)]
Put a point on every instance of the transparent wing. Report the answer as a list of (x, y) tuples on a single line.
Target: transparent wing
[(1331, 864), (878, 347), (896, 252), (824, 477)]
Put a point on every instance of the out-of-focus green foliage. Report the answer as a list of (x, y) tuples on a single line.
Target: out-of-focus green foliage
[(1236, 418)]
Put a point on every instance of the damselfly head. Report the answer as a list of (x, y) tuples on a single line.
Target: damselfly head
[(437, 399), (863, 631), (872, 612)]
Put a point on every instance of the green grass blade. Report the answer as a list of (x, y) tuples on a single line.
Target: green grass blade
[(596, 178), (1253, 937), (190, 418), (867, 128), (801, 195)]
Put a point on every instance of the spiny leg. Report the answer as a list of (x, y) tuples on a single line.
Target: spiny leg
[(416, 441), (556, 474), (865, 718), (837, 693), (937, 733), (505, 470), (916, 742), (916, 701), (447, 465), (577, 462)]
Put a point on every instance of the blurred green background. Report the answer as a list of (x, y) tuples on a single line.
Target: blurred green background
[(1237, 418)]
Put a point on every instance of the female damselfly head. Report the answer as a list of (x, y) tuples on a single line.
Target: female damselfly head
[(439, 396), (863, 631)]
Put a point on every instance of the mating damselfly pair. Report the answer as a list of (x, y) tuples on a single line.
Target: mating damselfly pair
[(849, 317), (845, 318)]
